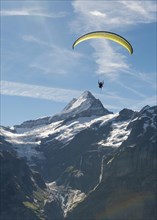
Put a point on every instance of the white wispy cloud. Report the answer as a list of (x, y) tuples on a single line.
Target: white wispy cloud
[(117, 14), (54, 59), (98, 14), (48, 93), (108, 60), (39, 92), (145, 11), (139, 94), (31, 12), (152, 101), (147, 78), (121, 102)]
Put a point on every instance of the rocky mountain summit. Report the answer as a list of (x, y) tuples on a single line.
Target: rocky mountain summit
[(83, 163), (85, 105)]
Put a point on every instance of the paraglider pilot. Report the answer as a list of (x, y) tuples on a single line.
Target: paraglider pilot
[(101, 84)]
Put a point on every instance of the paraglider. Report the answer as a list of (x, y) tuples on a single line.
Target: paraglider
[(101, 84), (107, 35)]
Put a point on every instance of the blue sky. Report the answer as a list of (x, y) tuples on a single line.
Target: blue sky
[(40, 73)]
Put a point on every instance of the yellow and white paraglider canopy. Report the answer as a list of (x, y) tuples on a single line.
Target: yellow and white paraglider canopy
[(108, 35)]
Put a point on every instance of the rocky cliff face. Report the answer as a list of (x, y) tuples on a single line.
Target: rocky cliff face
[(18, 188), (96, 164), (128, 187)]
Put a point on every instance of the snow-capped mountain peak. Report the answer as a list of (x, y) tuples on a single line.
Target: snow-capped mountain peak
[(84, 106), (74, 103), (87, 95), (83, 101)]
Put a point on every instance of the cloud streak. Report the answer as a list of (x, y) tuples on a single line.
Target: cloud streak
[(31, 12), (108, 60), (53, 59), (124, 13), (39, 92)]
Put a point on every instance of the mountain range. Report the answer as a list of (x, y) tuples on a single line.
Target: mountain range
[(83, 163)]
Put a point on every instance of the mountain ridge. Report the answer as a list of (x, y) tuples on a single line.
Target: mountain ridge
[(85, 105), (84, 154)]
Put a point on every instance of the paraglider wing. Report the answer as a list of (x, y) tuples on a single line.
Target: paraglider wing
[(108, 35)]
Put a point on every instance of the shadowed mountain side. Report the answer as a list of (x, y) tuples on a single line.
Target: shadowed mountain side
[(128, 188), (24, 193), (95, 164)]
